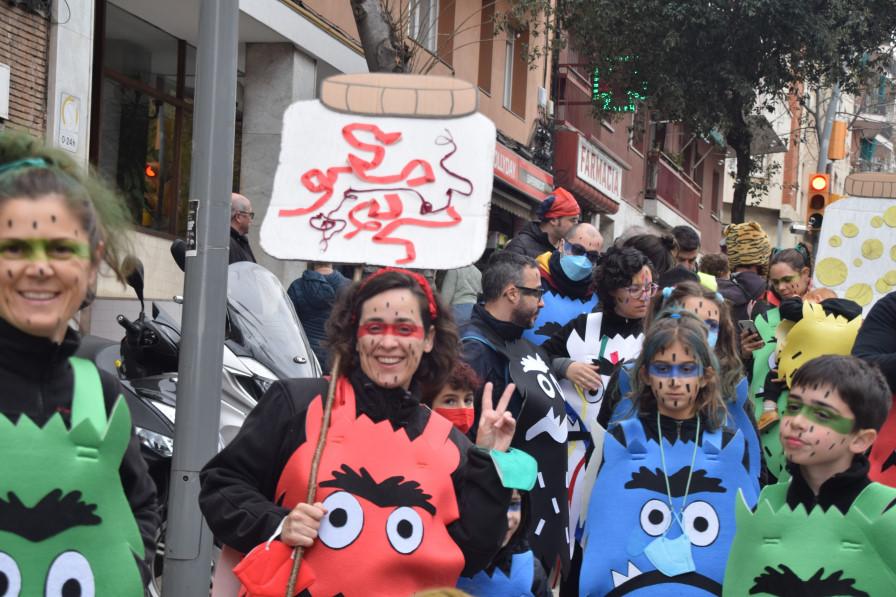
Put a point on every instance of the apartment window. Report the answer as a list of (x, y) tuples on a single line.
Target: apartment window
[(486, 47), (516, 68), (422, 22)]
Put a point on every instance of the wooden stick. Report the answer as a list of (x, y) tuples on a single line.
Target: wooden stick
[(318, 453)]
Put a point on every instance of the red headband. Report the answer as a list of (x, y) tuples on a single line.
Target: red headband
[(421, 281)]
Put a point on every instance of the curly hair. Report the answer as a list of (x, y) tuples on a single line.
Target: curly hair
[(54, 172), (462, 378), (658, 249), (687, 328), (342, 327), (730, 365), (616, 270)]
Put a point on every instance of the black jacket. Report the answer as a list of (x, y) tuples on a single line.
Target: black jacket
[(238, 485), (239, 247), (840, 491), (530, 241), (742, 289), (876, 342), (37, 381), (313, 295)]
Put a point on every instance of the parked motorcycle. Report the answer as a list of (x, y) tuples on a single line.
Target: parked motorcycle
[(264, 342)]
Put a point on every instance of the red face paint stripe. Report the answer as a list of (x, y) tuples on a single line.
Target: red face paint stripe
[(400, 330)]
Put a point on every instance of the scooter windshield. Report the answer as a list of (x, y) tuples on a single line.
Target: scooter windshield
[(264, 323)]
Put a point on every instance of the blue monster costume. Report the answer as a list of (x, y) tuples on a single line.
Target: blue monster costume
[(557, 311), (518, 584), (631, 529)]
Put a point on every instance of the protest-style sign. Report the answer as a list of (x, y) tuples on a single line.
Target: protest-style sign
[(384, 169)]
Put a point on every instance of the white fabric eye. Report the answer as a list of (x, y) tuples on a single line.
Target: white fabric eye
[(343, 522), (701, 523), (655, 517), (70, 574), (404, 528), (10, 576)]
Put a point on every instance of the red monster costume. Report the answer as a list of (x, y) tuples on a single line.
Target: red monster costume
[(883, 452)]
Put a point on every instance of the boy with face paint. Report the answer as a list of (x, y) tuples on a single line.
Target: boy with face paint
[(833, 527)]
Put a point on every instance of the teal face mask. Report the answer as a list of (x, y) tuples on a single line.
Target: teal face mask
[(36, 249), (576, 267), (671, 556)]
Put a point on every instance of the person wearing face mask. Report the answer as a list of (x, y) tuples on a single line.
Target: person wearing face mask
[(454, 400), (566, 280)]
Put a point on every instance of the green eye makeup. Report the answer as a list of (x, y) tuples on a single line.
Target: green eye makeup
[(33, 249), (820, 415)]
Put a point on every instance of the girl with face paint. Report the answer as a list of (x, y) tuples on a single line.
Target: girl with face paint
[(454, 400)]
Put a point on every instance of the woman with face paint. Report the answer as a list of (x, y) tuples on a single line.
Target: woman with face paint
[(405, 500), (72, 481), (661, 515)]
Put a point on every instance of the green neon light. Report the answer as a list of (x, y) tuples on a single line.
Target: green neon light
[(609, 101)]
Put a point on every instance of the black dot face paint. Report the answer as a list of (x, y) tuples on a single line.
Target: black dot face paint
[(687, 386), (9, 223), (34, 225), (9, 273), (53, 218)]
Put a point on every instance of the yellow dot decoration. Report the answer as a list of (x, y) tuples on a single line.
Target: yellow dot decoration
[(882, 286), (890, 217), (893, 253), (877, 222), (890, 277), (860, 293), (872, 248), (857, 262), (850, 230), (830, 271), (836, 241)]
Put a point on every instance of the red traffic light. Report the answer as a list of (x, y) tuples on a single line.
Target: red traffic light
[(819, 182)]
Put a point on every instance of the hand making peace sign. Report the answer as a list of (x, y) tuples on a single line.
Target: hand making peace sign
[(496, 425)]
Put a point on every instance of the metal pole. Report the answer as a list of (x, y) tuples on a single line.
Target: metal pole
[(825, 141), (188, 550)]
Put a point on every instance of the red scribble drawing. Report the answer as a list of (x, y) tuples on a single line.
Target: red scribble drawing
[(383, 212)]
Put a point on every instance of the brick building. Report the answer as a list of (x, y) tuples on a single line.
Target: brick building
[(24, 49)]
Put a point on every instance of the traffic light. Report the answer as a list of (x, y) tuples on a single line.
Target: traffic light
[(818, 198)]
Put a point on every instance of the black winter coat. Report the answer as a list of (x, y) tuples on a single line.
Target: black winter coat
[(313, 295), (530, 241), (876, 342), (240, 250), (38, 382), (238, 485)]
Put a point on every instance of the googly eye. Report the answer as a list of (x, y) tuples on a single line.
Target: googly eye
[(404, 528), (701, 523), (70, 574), (655, 517), (10, 576), (343, 522)]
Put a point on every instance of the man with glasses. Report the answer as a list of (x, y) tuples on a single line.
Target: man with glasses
[(566, 279), (557, 214), (241, 216)]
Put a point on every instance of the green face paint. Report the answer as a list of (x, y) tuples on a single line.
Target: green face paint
[(820, 415), (36, 249)]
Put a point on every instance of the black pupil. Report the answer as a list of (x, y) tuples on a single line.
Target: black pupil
[(405, 528), (4, 583), (338, 517), (655, 517), (701, 524), (71, 588)]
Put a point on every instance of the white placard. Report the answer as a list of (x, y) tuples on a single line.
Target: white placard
[(410, 192), (857, 249)]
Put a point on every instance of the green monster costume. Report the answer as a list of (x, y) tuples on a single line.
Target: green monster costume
[(66, 527), (791, 553), (815, 335)]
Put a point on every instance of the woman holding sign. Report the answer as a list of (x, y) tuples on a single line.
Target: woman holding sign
[(404, 500)]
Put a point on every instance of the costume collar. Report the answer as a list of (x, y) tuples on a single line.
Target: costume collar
[(566, 287), (506, 330), (32, 356), (839, 491), (396, 405)]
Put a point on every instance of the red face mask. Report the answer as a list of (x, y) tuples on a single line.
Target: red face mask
[(462, 418)]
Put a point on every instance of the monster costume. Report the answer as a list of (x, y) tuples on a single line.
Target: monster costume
[(66, 527), (661, 505), (791, 345), (784, 552), (498, 584)]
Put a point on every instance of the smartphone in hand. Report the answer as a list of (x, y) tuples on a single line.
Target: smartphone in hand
[(747, 325)]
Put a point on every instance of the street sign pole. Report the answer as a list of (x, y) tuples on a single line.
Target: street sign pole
[(188, 549)]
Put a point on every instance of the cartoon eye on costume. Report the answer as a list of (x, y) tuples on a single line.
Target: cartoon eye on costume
[(70, 574), (10, 577), (655, 517), (404, 528), (343, 522), (701, 523)]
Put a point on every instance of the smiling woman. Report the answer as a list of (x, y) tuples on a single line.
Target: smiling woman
[(56, 226), (406, 500)]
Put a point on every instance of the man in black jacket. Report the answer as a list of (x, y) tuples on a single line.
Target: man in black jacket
[(557, 214), (241, 216)]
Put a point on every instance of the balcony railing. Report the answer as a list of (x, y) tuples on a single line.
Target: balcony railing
[(675, 190)]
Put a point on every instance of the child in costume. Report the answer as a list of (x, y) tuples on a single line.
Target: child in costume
[(829, 530), (455, 400), (78, 511), (515, 571), (661, 515)]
